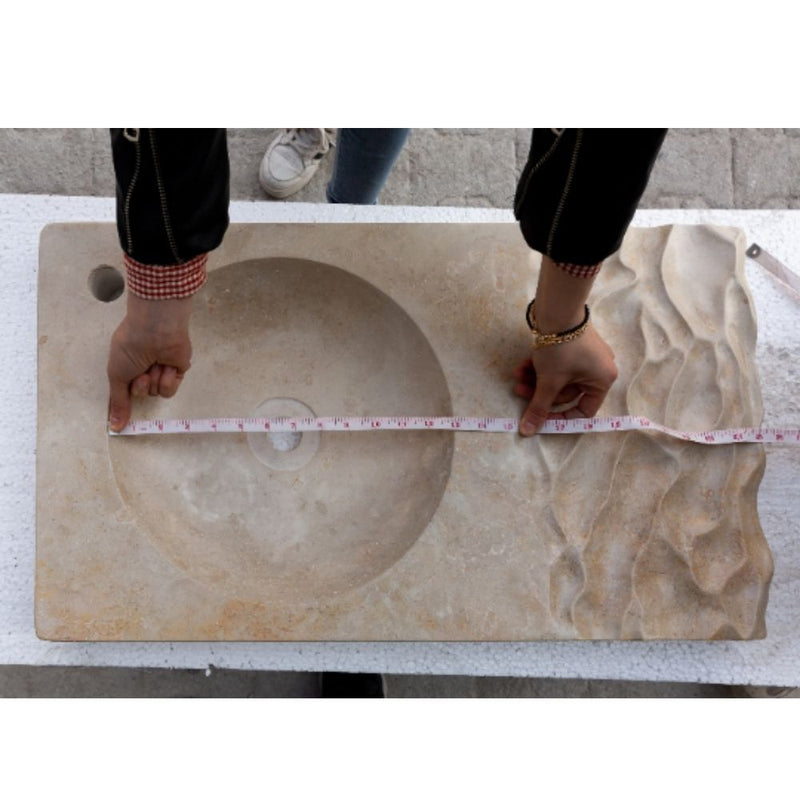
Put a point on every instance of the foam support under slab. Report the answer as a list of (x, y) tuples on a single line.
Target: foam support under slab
[(773, 661)]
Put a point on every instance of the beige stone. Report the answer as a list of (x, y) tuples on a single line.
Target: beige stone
[(401, 535)]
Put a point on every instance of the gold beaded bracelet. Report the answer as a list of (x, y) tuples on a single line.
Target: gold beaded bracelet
[(546, 339)]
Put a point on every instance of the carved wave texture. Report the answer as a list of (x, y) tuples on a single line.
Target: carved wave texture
[(660, 539)]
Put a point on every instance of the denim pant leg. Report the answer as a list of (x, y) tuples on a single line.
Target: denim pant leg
[(364, 159)]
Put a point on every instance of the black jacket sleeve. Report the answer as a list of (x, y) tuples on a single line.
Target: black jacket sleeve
[(580, 189), (172, 191)]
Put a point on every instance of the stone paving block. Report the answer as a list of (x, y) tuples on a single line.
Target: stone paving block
[(693, 170), (451, 169), (522, 141), (103, 181), (656, 200), (767, 168), (461, 131), (461, 686), (697, 168), (78, 682), (46, 161)]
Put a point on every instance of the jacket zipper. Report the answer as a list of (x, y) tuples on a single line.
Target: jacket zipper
[(132, 135), (163, 197), (567, 186)]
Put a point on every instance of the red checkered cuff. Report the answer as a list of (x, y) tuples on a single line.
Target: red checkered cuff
[(173, 282), (579, 270)]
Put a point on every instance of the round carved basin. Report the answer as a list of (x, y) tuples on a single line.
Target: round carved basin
[(292, 519)]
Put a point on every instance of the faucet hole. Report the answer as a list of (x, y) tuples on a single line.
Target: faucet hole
[(106, 283)]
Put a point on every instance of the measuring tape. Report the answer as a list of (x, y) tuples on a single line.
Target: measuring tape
[(465, 424), (478, 424)]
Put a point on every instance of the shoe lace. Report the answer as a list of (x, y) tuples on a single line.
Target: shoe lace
[(308, 141)]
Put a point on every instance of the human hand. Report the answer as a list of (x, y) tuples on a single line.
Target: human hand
[(150, 353), (577, 374)]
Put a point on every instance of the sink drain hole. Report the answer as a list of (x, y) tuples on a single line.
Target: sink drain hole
[(291, 450), (284, 442), (106, 283)]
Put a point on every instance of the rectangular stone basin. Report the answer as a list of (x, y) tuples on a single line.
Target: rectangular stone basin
[(413, 535)]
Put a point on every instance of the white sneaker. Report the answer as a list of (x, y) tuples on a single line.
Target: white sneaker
[(292, 158)]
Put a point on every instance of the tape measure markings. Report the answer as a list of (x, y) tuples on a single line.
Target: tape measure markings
[(464, 424)]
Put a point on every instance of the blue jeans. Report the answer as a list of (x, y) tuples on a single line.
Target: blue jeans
[(364, 159)]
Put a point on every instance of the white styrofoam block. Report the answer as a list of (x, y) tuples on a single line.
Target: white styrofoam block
[(773, 661)]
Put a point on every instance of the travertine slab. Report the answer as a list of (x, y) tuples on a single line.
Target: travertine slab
[(414, 535)]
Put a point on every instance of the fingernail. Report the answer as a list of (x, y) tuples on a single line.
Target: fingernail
[(526, 428)]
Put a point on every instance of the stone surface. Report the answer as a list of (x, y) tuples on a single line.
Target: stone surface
[(692, 170), (449, 168), (48, 160), (767, 165), (666, 544), (697, 167)]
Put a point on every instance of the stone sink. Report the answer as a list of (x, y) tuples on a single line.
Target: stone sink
[(414, 535)]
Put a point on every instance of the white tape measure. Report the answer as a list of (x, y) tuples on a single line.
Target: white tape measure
[(465, 424)]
